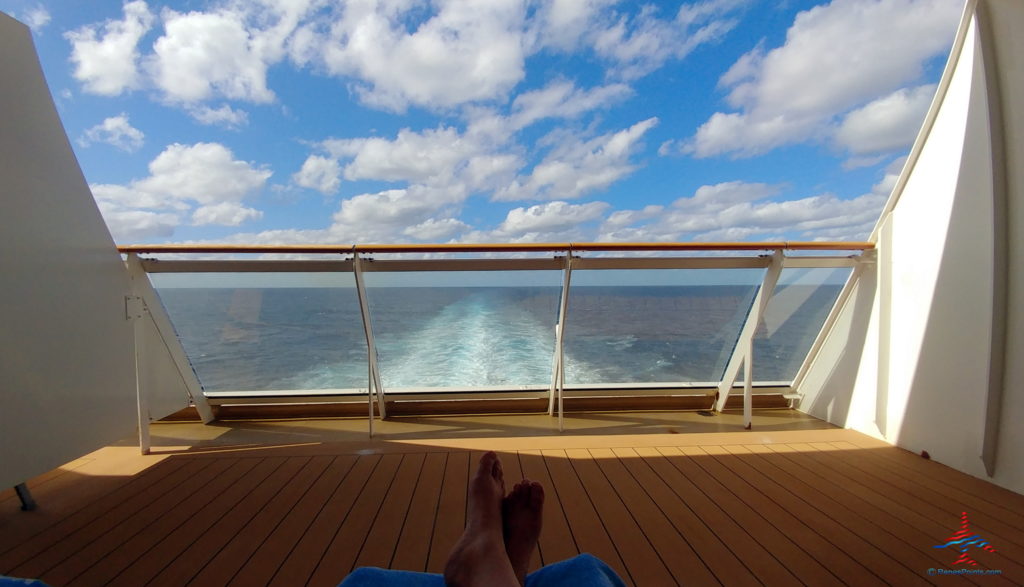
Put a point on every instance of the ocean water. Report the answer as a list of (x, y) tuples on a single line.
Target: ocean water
[(313, 338)]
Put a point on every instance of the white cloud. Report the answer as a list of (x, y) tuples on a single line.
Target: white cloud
[(563, 24), (836, 57), (36, 17), (115, 131), (383, 216), (105, 55), (464, 163), (391, 53), (639, 45), (468, 51), (207, 54), (562, 99), (200, 56), (411, 156), (203, 178), (631, 45), (225, 214), (435, 229), (319, 173), (740, 211), (401, 207), (225, 116), (127, 225), (206, 173), (886, 124), (714, 198), (550, 217), (578, 167)]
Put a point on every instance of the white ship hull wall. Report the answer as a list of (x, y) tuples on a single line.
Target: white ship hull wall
[(67, 350), (912, 354)]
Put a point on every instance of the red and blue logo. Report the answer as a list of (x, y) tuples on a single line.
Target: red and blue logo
[(963, 540)]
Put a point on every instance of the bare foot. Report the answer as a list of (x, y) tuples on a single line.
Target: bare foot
[(479, 556), (522, 512)]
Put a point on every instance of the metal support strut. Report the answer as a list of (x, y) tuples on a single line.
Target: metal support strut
[(743, 353), (558, 372), (374, 387)]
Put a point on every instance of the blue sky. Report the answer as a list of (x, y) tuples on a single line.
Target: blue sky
[(306, 121)]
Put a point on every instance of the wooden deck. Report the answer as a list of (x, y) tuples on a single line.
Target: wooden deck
[(292, 503)]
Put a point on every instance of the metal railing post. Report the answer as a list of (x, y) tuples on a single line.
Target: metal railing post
[(743, 352), (374, 386), (143, 290), (135, 310), (558, 372)]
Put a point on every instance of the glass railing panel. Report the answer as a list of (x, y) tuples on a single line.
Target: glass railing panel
[(268, 331), (464, 329), (665, 325), (792, 320)]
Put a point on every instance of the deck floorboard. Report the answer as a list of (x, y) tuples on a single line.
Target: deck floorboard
[(773, 507)]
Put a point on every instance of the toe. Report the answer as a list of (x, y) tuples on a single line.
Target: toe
[(536, 495)]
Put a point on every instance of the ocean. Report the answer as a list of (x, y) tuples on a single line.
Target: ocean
[(250, 339)]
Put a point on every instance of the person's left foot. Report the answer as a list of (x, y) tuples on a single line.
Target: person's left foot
[(479, 556), (522, 511)]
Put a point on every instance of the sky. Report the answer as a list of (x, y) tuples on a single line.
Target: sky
[(394, 121)]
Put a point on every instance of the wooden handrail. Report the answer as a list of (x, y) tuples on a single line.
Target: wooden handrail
[(498, 247)]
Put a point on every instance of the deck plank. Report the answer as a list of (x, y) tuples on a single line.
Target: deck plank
[(588, 529), (102, 539), (887, 532), (37, 535), (665, 462), (1006, 521), (451, 510), (241, 542), (644, 564), (556, 542), (262, 565), (229, 503), (64, 541), (924, 509), (308, 551), (413, 546), (105, 569), (683, 564), (725, 566), (762, 518), (852, 558), (379, 547), (236, 522), (338, 559), (930, 472), (850, 532), (772, 504), (732, 507)]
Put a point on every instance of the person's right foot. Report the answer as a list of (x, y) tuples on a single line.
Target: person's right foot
[(522, 513)]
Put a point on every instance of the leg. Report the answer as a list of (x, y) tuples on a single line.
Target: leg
[(479, 557), (522, 511)]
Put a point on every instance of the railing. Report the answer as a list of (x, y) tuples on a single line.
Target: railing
[(604, 322)]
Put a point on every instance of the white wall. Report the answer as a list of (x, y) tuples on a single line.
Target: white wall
[(65, 345), (67, 369), (908, 358), (1005, 18)]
